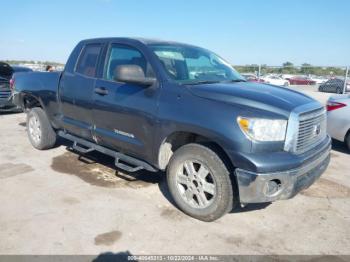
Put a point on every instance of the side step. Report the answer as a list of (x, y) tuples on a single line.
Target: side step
[(81, 149), (127, 163)]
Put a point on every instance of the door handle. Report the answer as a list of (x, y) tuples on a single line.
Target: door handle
[(101, 91)]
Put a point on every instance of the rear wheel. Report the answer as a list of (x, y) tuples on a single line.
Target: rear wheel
[(200, 183), (39, 130), (339, 90)]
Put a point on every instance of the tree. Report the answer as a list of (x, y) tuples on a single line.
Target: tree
[(288, 64), (307, 69), (288, 68)]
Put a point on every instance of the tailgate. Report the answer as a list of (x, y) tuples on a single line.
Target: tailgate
[(5, 91)]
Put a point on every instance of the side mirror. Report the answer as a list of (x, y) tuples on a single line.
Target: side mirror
[(132, 74)]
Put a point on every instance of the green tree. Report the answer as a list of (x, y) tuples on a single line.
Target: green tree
[(288, 64)]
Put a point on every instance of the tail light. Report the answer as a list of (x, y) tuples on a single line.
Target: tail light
[(334, 105), (12, 83)]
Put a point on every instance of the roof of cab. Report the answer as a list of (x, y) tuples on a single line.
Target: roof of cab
[(145, 41)]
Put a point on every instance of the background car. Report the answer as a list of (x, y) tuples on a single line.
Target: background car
[(6, 72), (252, 78), (286, 76), (319, 79), (301, 80), (335, 85), (275, 80), (338, 118)]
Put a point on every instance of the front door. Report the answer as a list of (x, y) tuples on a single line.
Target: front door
[(125, 113)]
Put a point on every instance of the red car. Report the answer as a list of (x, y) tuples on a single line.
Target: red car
[(301, 80)]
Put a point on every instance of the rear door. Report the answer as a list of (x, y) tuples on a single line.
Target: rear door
[(76, 91), (125, 113)]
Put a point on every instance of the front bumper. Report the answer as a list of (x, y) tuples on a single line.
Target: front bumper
[(267, 187)]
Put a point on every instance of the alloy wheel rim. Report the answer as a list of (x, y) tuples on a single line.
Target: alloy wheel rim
[(196, 184), (34, 129)]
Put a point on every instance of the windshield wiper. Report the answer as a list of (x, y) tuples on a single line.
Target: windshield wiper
[(203, 82), (215, 82), (236, 80)]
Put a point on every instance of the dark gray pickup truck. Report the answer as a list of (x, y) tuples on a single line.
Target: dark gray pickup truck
[(158, 105)]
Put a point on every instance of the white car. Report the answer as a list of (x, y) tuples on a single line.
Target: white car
[(338, 118), (318, 79), (275, 80), (285, 76)]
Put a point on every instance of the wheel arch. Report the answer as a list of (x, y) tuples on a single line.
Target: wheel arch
[(176, 139), (347, 134), (30, 101)]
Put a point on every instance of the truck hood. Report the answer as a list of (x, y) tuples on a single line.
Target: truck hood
[(262, 96)]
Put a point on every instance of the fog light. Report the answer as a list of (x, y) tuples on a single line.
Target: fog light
[(273, 186)]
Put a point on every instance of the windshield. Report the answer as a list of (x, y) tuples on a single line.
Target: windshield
[(192, 65)]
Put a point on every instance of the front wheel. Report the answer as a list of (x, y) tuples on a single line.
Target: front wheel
[(40, 132), (200, 183), (347, 140)]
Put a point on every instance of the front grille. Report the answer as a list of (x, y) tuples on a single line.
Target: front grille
[(312, 129)]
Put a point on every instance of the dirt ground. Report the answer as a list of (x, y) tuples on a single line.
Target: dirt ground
[(56, 202)]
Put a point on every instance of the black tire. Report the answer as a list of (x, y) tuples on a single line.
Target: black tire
[(339, 90), (347, 140), (47, 137), (224, 198)]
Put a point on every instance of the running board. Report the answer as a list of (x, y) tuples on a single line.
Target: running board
[(127, 163), (81, 149)]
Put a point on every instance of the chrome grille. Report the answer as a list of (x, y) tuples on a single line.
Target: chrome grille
[(311, 130)]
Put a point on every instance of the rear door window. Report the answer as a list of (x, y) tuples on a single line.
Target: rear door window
[(87, 63)]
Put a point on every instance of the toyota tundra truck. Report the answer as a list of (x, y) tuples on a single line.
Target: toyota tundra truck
[(158, 105)]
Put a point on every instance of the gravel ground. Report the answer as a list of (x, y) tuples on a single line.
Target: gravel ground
[(55, 202)]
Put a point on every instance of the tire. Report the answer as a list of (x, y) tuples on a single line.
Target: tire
[(215, 188), (339, 90), (40, 132), (347, 140)]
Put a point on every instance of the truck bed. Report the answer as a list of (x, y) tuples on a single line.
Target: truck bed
[(41, 85)]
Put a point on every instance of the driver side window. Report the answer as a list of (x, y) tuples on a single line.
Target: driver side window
[(196, 66), (125, 55)]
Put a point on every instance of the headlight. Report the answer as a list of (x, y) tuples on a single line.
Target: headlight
[(260, 129)]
